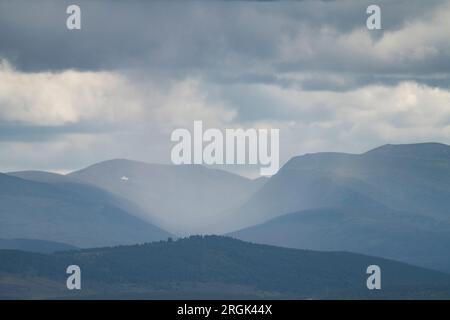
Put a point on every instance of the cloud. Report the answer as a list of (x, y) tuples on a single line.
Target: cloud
[(138, 70), (62, 120), (80, 99), (223, 38), (78, 117), (420, 45), (357, 120), (68, 97)]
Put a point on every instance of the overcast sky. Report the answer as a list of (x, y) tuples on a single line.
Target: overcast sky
[(137, 70)]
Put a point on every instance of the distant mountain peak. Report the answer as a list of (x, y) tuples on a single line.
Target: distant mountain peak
[(184, 199), (315, 158), (427, 150), (40, 176)]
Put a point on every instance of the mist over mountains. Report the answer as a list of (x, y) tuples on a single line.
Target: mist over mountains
[(185, 199), (100, 100), (69, 213), (392, 202), (411, 178)]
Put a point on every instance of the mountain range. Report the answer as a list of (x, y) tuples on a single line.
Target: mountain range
[(392, 202)]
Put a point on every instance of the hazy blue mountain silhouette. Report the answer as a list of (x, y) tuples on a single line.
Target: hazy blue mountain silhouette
[(32, 245), (83, 189), (412, 178), (392, 201), (205, 267), (183, 199), (417, 240), (43, 176), (71, 213)]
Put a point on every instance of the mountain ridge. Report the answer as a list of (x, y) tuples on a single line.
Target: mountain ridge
[(209, 265), (67, 213), (163, 191)]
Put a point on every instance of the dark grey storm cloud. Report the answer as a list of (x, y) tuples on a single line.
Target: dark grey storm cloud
[(211, 38)]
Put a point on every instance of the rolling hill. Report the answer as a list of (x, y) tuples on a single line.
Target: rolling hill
[(417, 240), (32, 245), (208, 267)]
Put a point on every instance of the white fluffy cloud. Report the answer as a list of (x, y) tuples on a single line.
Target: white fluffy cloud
[(140, 115), (417, 42), (102, 99), (52, 99), (420, 43), (360, 119), (64, 120)]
